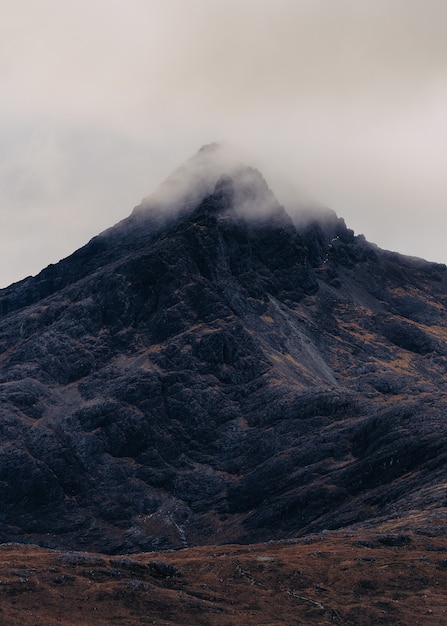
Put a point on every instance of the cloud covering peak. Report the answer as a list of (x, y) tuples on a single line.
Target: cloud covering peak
[(101, 99), (200, 176)]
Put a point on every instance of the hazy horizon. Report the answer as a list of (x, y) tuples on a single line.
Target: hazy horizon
[(346, 102)]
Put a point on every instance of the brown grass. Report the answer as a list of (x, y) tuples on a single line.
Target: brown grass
[(332, 578)]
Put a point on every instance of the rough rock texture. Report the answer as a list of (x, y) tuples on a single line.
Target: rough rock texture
[(205, 376)]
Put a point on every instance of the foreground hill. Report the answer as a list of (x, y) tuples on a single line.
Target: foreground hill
[(333, 578), (208, 372)]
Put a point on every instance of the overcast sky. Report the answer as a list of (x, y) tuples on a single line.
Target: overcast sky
[(102, 99)]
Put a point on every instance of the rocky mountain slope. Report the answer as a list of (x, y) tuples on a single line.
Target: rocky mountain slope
[(208, 372)]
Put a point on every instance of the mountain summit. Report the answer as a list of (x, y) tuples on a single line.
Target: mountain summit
[(207, 371)]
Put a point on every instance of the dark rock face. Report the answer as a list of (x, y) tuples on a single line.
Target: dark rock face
[(208, 376)]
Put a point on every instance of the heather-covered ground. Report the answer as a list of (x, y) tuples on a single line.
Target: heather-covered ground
[(352, 578)]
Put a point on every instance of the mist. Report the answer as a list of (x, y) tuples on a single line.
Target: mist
[(342, 103)]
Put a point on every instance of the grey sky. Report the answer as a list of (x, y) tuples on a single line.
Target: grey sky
[(102, 99)]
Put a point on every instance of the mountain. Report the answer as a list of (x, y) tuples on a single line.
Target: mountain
[(210, 370)]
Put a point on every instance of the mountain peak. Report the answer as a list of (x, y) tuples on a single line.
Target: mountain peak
[(204, 174), (210, 147), (190, 183)]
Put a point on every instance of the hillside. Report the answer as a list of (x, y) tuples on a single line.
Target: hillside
[(335, 578)]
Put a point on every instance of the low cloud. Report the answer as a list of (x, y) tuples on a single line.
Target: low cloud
[(101, 101)]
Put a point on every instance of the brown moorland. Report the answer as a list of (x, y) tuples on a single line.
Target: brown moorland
[(349, 578)]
